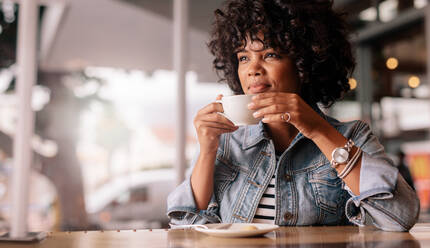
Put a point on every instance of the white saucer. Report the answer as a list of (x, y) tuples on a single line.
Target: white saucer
[(235, 230)]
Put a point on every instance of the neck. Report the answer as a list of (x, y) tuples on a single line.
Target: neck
[(282, 134)]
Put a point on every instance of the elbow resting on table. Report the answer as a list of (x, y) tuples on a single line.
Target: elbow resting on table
[(389, 210), (408, 221), (403, 213), (415, 210)]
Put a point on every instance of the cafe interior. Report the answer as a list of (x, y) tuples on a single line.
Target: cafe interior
[(97, 100)]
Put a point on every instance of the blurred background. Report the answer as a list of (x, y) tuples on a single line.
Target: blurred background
[(105, 103)]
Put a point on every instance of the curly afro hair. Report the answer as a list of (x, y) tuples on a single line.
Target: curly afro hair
[(308, 31)]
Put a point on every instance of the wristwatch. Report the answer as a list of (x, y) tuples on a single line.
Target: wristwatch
[(340, 155)]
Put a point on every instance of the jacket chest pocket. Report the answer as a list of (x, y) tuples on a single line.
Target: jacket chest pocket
[(224, 175), (328, 192)]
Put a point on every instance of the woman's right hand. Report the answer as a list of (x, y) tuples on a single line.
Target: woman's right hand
[(210, 125)]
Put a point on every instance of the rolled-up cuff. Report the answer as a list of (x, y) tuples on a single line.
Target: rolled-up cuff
[(354, 213), (182, 208), (385, 199), (377, 179)]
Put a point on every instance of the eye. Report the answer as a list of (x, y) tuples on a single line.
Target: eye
[(272, 55), (242, 58)]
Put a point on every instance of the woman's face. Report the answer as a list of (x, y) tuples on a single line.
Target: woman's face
[(263, 69)]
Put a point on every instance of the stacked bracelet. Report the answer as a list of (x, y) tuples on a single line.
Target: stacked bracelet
[(351, 163)]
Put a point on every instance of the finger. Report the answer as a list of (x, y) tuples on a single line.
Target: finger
[(272, 94), (265, 95), (265, 99), (270, 110), (216, 127), (261, 103), (276, 118), (210, 108), (264, 102), (219, 97), (218, 118)]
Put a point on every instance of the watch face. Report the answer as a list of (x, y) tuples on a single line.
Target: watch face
[(341, 155)]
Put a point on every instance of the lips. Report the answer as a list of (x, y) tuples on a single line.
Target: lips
[(256, 88)]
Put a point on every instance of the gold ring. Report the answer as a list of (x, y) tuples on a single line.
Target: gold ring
[(285, 119)]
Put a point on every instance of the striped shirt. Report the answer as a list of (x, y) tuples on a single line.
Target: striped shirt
[(266, 208)]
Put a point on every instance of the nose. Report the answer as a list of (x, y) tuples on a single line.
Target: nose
[(255, 68)]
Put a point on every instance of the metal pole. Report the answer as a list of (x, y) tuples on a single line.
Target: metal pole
[(365, 83), (180, 33), (22, 152)]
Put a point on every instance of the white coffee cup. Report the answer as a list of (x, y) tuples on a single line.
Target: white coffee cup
[(236, 110)]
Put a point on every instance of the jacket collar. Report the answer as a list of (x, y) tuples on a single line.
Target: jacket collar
[(254, 134)]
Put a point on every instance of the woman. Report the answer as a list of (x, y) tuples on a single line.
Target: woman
[(297, 166)]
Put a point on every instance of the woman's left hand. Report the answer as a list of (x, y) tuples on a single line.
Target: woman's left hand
[(272, 106)]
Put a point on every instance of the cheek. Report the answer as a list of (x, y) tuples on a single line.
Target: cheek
[(288, 80), (242, 78)]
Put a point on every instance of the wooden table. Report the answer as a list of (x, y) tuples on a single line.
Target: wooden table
[(339, 236)]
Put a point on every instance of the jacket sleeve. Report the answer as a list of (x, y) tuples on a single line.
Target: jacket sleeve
[(182, 208), (386, 200)]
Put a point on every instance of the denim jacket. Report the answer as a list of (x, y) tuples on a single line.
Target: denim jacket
[(308, 190)]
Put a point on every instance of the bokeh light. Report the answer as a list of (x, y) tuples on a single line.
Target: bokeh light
[(352, 83), (414, 82), (392, 63)]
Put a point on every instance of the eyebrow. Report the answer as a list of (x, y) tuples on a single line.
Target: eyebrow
[(243, 50)]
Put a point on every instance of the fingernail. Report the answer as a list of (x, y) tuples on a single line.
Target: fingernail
[(256, 114), (254, 97), (264, 120), (251, 105)]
